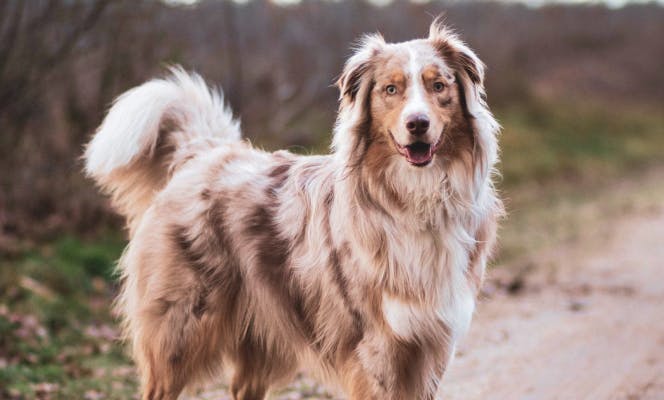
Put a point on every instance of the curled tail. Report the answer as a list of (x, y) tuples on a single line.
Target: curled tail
[(148, 131)]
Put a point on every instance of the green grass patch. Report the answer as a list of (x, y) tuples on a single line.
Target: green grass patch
[(58, 338), (560, 165), (544, 142)]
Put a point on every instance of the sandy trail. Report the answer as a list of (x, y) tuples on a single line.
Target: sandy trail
[(592, 327), (586, 323)]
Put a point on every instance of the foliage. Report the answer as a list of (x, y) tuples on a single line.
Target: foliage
[(57, 337), (545, 141)]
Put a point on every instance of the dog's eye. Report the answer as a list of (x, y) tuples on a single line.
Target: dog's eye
[(391, 89), (438, 86)]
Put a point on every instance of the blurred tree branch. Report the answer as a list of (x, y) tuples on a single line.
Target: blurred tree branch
[(85, 25), (25, 56), (10, 25)]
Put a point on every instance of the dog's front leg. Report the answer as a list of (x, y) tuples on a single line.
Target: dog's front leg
[(386, 368)]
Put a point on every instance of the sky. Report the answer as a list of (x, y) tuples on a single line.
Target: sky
[(532, 3), (610, 3)]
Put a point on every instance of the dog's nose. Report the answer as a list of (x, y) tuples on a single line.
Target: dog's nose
[(417, 124)]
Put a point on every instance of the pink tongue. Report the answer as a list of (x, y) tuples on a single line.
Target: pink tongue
[(418, 155)]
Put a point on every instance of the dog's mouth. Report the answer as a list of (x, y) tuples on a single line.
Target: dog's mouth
[(418, 153)]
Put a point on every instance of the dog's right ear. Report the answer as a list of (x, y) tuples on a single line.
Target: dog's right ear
[(351, 132), (357, 67)]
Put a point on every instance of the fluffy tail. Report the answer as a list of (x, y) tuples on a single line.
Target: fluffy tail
[(148, 131)]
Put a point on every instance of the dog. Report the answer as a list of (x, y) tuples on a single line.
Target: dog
[(361, 266)]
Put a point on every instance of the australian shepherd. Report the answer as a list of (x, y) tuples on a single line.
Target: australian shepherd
[(361, 266)]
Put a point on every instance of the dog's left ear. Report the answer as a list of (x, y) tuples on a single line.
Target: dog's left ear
[(459, 56), (469, 73), (358, 66)]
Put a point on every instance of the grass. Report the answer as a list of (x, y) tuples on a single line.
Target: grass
[(541, 218), (561, 165), (58, 337), (542, 143)]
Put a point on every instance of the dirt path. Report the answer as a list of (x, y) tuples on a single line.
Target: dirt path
[(591, 329), (587, 322)]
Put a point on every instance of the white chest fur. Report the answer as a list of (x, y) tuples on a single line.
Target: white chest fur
[(455, 310), (450, 300)]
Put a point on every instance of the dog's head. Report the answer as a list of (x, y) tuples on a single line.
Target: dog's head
[(417, 106)]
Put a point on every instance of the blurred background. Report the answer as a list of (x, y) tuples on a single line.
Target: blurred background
[(578, 87)]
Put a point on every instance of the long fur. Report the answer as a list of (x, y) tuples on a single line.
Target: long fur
[(355, 265), (149, 131)]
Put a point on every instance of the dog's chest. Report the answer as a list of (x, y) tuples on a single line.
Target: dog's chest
[(436, 267), (408, 319)]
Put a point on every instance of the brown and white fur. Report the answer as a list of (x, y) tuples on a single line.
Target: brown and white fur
[(361, 266)]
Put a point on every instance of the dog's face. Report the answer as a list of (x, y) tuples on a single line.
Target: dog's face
[(409, 100), (414, 100)]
